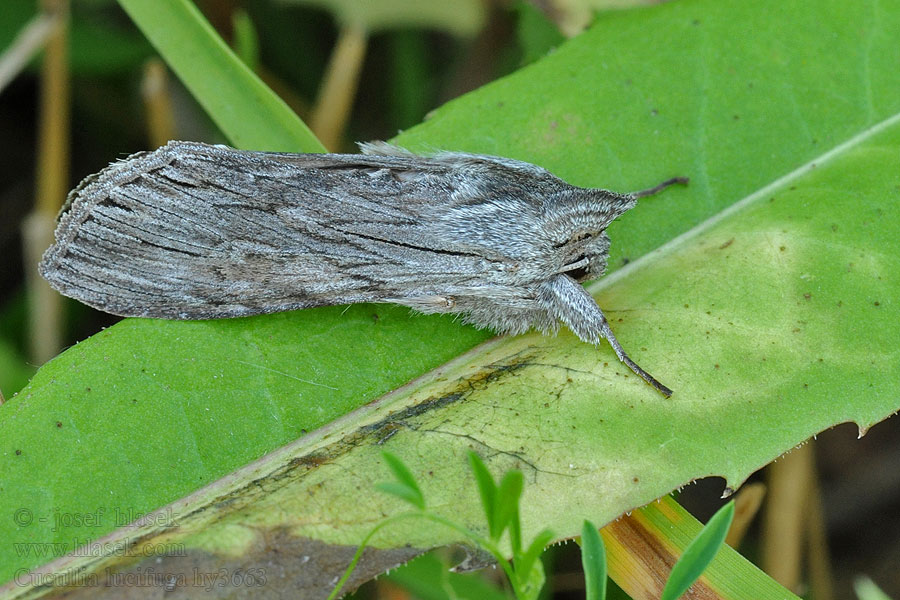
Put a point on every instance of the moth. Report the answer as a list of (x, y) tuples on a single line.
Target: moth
[(194, 231)]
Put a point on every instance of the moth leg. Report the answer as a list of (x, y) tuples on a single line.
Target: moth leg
[(568, 301)]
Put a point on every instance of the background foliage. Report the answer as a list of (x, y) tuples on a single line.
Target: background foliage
[(765, 325)]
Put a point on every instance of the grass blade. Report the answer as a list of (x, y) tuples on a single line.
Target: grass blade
[(699, 553), (593, 560), (487, 489), (249, 114), (506, 509)]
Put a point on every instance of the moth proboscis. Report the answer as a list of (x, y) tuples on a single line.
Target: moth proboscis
[(194, 231)]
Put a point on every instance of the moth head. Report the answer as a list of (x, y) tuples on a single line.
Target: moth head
[(579, 224)]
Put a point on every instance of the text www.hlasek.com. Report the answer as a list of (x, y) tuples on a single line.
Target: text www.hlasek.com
[(50, 550)]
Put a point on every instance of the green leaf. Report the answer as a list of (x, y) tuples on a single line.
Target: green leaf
[(506, 508), (405, 487), (249, 114), (531, 582), (525, 562), (401, 491), (537, 35), (866, 589), (772, 320), (246, 39), (593, 561), (427, 578), (488, 491), (699, 553)]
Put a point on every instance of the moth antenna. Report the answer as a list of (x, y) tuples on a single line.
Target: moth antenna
[(659, 188)]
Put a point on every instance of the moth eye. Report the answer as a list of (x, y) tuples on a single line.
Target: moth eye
[(575, 239)]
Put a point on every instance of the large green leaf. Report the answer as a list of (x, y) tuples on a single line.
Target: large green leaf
[(771, 321)]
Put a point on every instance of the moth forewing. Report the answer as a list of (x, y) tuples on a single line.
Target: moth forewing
[(193, 231)]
